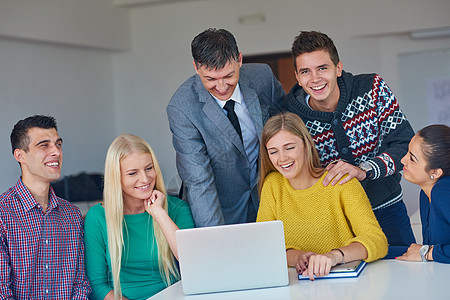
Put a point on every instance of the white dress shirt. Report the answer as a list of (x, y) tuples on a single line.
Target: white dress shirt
[(249, 136)]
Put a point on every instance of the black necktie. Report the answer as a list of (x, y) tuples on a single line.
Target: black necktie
[(229, 107)]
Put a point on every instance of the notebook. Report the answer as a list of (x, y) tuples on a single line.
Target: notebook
[(232, 257), (350, 269)]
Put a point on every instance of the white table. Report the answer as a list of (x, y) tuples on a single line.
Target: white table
[(383, 279)]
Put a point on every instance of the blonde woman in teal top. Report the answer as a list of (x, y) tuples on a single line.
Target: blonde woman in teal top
[(130, 239)]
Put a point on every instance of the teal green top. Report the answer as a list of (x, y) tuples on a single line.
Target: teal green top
[(139, 277)]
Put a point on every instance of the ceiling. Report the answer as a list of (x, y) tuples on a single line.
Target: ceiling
[(144, 2)]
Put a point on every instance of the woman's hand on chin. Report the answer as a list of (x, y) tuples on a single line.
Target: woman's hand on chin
[(155, 202)]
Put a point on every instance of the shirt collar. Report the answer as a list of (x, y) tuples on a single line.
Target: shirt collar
[(237, 97), (28, 200), (307, 100)]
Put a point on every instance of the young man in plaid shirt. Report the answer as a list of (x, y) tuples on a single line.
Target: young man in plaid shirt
[(41, 235)]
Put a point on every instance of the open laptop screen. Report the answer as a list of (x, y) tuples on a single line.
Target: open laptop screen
[(232, 257)]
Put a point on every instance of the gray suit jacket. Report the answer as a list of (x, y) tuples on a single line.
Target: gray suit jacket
[(211, 159)]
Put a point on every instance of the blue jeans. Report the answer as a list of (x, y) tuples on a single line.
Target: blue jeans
[(395, 223)]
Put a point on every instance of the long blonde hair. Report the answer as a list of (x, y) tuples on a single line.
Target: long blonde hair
[(292, 123), (120, 148)]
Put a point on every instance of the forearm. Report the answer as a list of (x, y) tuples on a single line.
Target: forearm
[(168, 228), (5, 270), (429, 255), (204, 203), (110, 295), (352, 252), (320, 264), (5, 292), (312, 264), (395, 132), (293, 256), (81, 287)]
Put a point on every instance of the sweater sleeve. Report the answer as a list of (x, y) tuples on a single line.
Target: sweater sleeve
[(96, 248), (5, 265), (81, 288), (440, 196), (195, 168), (266, 211), (395, 132), (362, 220), (441, 253)]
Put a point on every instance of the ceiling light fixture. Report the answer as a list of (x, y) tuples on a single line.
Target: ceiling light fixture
[(430, 33)]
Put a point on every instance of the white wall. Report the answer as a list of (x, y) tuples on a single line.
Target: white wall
[(432, 64), (92, 23), (73, 85), (49, 65)]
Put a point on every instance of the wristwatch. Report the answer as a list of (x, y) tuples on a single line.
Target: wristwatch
[(366, 167), (423, 252)]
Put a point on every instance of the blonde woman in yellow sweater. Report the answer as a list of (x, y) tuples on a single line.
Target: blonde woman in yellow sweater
[(323, 226)]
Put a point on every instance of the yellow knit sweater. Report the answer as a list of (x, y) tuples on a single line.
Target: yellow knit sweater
[(320, 218)]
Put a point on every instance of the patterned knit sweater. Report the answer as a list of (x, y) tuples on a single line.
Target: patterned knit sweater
[(321, 218), (367, 125)]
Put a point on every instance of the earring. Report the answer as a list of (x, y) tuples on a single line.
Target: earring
[(432, 176)]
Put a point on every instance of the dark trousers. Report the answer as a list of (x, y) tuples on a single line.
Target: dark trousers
[(396, 225)]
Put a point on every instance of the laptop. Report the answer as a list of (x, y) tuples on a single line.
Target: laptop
[(232, 257)]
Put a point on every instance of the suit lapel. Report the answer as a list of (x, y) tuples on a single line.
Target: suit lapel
[(218, 117), (254, 107)]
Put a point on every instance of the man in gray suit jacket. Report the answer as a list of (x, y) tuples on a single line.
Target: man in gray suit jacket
[(217, 146)]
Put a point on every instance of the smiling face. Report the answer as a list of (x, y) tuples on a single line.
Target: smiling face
[(317, 74), (220, 83), (287, 153), (415, 165), (43, 160), (138, 176)]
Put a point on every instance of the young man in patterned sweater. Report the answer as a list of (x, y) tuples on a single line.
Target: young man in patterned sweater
[(358, 128)]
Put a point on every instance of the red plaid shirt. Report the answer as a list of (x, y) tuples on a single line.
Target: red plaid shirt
[(41, 254)]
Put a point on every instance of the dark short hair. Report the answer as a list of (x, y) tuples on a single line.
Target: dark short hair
[(19, 134), (436, 147), (214, 48), (310, 41)]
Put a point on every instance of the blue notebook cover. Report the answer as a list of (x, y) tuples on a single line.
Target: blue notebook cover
[(350, 269)]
